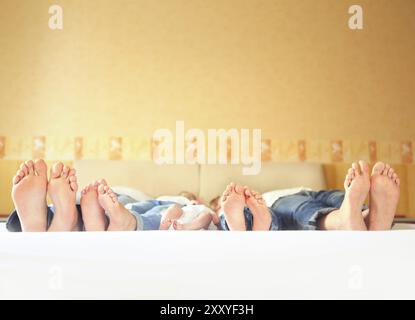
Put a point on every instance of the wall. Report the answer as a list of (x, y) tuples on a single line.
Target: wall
[(121, 69)]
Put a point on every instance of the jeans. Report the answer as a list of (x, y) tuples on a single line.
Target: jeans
[(148, 214), (300, 211)]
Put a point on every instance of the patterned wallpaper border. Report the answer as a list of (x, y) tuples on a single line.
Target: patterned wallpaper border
[(139, 148)]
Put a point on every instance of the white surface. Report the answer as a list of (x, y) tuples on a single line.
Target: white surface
[(208, 265)]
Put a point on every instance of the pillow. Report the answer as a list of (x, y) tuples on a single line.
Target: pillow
[(272, 196), (177, 199)]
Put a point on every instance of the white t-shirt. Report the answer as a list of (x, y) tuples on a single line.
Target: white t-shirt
[(192, 212)]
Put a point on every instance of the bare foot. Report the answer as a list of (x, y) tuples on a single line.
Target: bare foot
[(165, 224), (384, 197), (233, 204), (29, 195), (181, 226), (260, 212), (349, 216), (62, 191), (174, 212), (120, 218), (93, 214)]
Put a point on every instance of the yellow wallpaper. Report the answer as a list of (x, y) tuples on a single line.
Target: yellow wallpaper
[(119, 70), (127, 68)]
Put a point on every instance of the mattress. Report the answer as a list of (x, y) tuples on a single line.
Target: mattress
[(208, 265)]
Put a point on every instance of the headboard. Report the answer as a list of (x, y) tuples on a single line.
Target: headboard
[(206, 180)]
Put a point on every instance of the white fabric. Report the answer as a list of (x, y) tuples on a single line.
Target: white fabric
[(272, 196), (192, 212), (177, 199), (241, 265)]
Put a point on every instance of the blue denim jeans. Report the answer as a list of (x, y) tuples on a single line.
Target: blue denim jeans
[(300, 211), (148, 214)]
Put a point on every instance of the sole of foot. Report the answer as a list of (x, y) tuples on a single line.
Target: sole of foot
[(384, 197), (232, 206), (120, 219), (260, 212), (29, 195), (357, 186), (93, 215), (62, 190)]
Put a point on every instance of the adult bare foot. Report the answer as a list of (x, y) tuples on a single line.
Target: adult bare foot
[(93, 214), (349, 216), (233, 204), (29, 195), (260, 212), (384, 197), (62, 191), (120, 218)]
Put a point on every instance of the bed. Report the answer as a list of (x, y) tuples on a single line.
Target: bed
[(206, 265)]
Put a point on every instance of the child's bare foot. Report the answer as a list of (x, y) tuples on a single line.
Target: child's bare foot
[(384, 197), (349, 216), (120, 218), (233, 204), (172, 213), (29, 195), (165, 224), (62, 191), (181, 226), (93, 214), (260, 212)]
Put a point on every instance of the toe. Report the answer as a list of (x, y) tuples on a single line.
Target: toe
[(386, 169), (74, 186), (239, 189), (248, 193), (378, 168), (101, 188), (56, 170), (391, 172), (355, 167), (16, 179), (398, 182), (24, 168), (72, 172), (41, 168), (30, 166), (364, 167), (65, 172)]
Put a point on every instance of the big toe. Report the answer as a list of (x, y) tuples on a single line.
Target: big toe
[(378, 168), (56, 170), (41, 168), (239, 189)]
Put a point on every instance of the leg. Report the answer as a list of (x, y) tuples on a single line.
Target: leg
[(201, 222), (62, 191), (120, 218), (233, 203), (29, 196), (172, 213), (260, 212), (384, 197), (349, 215), (93, 214)]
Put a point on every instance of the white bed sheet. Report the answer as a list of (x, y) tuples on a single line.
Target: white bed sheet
[(208, 265)]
